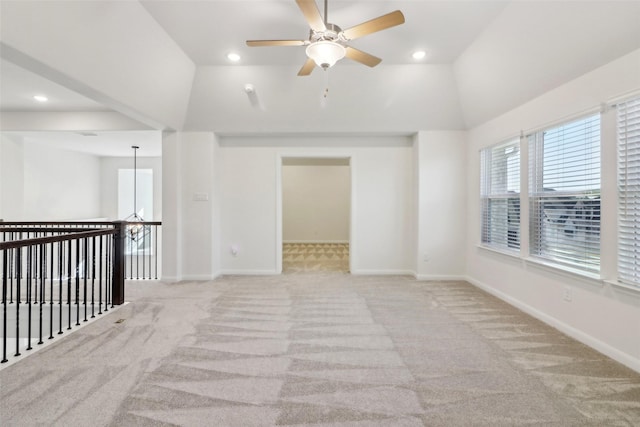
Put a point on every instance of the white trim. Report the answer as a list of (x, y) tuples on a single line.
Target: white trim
[(624, 287), (614, 101), (439, 277), (316, 241), (249, 273), (557, 122), (169, 279), (383, 273), (505, 252), (352, 214), (198, 277), (563, 270), (279, 215), (604, 348)]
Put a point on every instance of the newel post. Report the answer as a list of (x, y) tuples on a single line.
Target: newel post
[(119, 240)]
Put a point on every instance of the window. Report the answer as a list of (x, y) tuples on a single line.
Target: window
[(564, 194), (629, 191), (500, 193), (143, 196)]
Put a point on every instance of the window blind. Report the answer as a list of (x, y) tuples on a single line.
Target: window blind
[(565, 194), (500, 194), (629, 191)]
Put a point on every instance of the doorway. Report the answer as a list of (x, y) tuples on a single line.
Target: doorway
[(316, 214)]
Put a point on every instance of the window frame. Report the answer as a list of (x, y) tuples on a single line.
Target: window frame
[(578, 208), (628, 193), (504, 240)]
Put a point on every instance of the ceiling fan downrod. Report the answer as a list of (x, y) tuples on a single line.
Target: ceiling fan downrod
[(326, 12)]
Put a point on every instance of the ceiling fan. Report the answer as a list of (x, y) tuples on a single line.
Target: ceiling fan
[(327, 42)]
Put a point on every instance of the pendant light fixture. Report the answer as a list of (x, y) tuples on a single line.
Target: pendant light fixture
[(136, 231)]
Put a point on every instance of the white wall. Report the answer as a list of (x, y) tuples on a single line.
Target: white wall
[(441, 204), (406, 97), (391, 216), (381, 205), (197, 205), (59, 184), (11, 178), (188, 170), (171, 207), (315, 203), (109, 167), (604, 316)]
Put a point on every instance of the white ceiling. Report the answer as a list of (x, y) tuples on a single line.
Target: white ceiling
[(208, 30), (102, 144), (483, 59), (18, 87)]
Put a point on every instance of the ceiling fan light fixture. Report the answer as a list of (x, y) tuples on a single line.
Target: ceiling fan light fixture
[(325, 53)]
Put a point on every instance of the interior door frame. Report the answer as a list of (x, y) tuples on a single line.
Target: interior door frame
[(279, 207)]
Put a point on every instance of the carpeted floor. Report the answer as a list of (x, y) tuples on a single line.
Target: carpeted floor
[(318, 349), (315, 257)]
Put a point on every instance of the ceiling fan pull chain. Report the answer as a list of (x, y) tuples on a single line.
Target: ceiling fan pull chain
[(326, 83)]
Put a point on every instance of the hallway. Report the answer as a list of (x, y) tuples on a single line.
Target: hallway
[(315, 257), (323, 348)]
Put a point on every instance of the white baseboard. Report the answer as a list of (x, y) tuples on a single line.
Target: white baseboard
[(198, 277), (438, 277), (170, 279), (248, 273), (382, 272), (316, 241), (604, 348)]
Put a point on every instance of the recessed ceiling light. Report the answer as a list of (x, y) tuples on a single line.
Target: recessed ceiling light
[(419, 54), (233, 57), (40, 98)]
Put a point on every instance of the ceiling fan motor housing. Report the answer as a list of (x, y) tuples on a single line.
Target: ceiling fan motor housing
[(332, 33)]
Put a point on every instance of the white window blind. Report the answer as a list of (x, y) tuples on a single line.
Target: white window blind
[(565, 194), (500, 195), (629, 191)]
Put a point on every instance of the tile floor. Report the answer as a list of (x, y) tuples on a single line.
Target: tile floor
[(315, 257)]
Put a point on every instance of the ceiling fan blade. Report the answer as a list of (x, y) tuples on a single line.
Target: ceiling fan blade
[(377, 24), (362, 57), (307, 68), (259, 43), (312, 14)]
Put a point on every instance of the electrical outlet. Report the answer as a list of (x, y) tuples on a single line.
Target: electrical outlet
[(568, 294), (425, 258)]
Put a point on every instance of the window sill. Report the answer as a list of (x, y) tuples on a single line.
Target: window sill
[(563, 270), (624, 287), (505, 252), (566, 271)]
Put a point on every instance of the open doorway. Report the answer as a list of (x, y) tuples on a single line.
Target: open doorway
[(316, 212)]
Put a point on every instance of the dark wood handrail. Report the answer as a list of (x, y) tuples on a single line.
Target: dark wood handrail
[(15, 223), (53, 239), (48, 229), (56, 222)]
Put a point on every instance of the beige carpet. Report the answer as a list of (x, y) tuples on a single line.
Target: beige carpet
[(315, 257), (318, 349)]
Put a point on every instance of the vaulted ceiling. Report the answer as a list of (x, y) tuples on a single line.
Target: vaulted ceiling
[(164, 63)]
